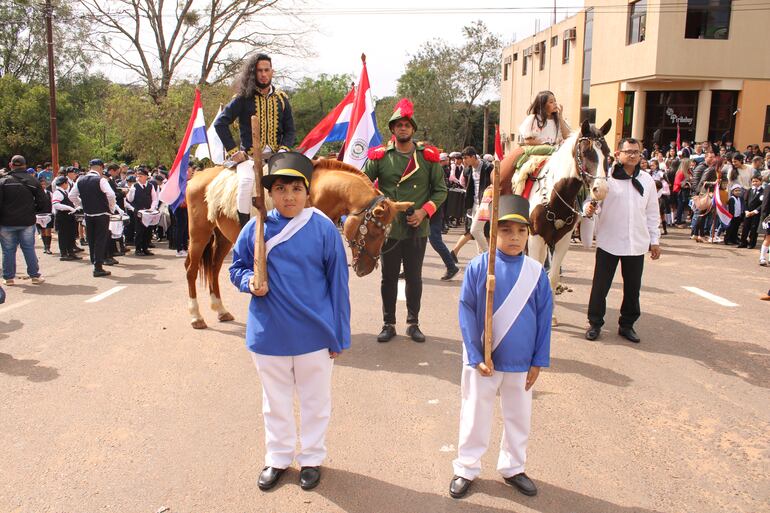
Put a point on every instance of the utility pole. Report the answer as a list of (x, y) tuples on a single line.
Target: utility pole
[(51, 86), (554, 13), (486, 128)]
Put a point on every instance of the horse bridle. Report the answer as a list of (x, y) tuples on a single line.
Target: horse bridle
[(359, 241)]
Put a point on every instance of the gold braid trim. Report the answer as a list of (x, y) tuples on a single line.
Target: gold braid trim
[(267, 110)]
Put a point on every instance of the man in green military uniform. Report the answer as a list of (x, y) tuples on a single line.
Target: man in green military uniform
[(406, 171)]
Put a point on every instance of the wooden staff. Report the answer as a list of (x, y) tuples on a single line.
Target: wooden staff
[(260, 258), (490, 305)]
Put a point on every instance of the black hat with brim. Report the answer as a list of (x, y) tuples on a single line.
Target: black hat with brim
[(288, 164), (514, 208)]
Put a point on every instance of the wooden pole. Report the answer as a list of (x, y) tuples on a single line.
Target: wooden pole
[(260, 257), (490, 304), (52, 88)]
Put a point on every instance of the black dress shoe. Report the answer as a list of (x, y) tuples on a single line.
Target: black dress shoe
[(414, 331), (148, 253), (523, 484), (629, 333), (450, 274), (98, 273), (76, 257), (454, 256), (459, 487), (387, 333), (77, 249), (592, 333), (740, 245), (110, 261), (309, 477), (269, 477), (67, 258)]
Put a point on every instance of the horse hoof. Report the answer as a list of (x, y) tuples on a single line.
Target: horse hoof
[(554, 321), (224, 317), (199, 324)]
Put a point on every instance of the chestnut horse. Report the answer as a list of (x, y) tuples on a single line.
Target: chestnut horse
[(553, 208), (337, 189)]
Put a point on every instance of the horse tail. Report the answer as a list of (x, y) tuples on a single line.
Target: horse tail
[(206, 270)]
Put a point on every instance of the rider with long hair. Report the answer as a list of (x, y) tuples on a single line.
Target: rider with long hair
[(542, 131), (255, 94)]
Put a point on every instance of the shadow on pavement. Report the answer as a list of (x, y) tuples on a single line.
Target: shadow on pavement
[(53, 289), (572, 280), (357, 493), (8, 327), (26, 368), (444, 360), (663, 335), (137, 279)]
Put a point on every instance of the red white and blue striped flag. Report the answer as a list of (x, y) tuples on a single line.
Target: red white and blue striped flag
[(173, 192), (362, 131), (332, 128), (724, 215)]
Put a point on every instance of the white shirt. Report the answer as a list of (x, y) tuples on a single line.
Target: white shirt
[(104, 186), (549, 134), (56, 201), (153, 192), (628, 223)]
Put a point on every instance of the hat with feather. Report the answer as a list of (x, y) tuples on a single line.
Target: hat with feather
[(404, 110)]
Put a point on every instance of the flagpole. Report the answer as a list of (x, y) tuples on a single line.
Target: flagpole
[(260, 257)]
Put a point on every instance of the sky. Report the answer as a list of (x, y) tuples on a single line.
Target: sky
[(388, 39)]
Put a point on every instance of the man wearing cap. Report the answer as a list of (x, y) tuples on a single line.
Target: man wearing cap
[(92, 191), (64, 220), (142, 196), (256, 95), (21, 197), (406, 172), (299, 321)]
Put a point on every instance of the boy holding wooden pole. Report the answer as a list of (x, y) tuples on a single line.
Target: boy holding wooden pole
[(517, 347)]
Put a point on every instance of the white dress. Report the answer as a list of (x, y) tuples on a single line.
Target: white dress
[(549, 134)]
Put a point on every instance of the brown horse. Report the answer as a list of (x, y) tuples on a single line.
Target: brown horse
[(337, 189)]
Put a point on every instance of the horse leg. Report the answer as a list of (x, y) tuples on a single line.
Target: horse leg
[(192, 266), (559, 252), (537, 248), (221, 250)]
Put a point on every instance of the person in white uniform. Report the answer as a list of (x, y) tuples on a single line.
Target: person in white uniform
[(523, 305), (298, 322)]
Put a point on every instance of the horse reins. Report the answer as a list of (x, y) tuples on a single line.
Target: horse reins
[(359, 242)]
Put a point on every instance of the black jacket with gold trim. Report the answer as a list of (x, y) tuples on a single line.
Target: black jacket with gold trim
[(276, 121)]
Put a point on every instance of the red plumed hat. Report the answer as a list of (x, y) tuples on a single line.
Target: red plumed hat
[(404, 110)]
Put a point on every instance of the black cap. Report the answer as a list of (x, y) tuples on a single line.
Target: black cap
[(513, 208), (18, 160), (96, 162), (290, 164), (60, 180), (142, 171), (130, 178), (72, 169)]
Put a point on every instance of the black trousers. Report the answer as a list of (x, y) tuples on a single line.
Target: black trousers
[(67, 227), (731, 236), (631, 268), (98, 235), (411, 252), (142, 235), (749, 229)]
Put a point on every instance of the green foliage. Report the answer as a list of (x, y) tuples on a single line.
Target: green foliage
[(383, 109), (313, 98)]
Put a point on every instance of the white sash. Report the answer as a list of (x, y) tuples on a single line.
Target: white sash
[(509, 311), (291, 228)]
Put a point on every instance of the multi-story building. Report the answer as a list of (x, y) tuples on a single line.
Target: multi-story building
[(648, 66)]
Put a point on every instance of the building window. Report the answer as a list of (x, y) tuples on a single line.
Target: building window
[(628, 113), (516, 56), (667, 109), (707, 19), (554, 41), (585, 97), (722, 118), (637, 19), (524, 65), (565, 50), (542, 55), (506, 70), (766, 133)]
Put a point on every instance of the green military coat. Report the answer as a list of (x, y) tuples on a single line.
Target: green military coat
[(418, 179)]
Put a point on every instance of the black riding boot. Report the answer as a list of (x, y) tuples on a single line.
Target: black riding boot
[(243, 218)]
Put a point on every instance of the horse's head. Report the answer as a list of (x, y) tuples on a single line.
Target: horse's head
[(367, 230), (591, 152)]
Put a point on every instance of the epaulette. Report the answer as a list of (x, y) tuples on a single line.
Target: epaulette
[(376, 153), (431, 153)]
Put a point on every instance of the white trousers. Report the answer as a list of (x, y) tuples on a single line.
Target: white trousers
[(477, 414), (477, 230), (245, 172), (310, 376)]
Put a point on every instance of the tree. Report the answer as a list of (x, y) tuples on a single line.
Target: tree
[(23, 44), (154, 39), (313, 98)]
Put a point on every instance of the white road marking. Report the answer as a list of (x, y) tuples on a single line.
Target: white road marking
[(711, 297), (401, 290), (106, 294), (14, 306)]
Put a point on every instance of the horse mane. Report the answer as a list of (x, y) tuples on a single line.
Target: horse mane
[(562, 160), (338, 165)]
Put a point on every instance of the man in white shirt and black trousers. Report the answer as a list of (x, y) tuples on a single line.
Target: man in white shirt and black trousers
[(97, 198), (626, 228)]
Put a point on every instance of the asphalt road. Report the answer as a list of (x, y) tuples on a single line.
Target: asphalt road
[(118, 405)]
